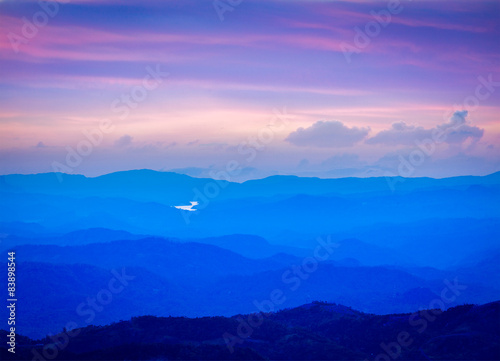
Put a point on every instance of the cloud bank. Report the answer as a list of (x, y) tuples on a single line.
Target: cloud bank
[(455, 131), (327, 134)]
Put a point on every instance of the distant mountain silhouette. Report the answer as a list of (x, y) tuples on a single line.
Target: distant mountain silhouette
[(49, 296), (251, 246), (192, 263), (317, 331), (75, 238), (192, 279), (170, 188)]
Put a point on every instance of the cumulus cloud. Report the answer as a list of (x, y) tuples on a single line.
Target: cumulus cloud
[(455, 131), (327, 134), (124, 141)]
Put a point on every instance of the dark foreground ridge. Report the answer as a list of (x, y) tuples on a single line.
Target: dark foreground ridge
[(316, 331)]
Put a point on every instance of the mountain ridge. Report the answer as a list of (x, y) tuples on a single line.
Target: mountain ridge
[(317, 330)]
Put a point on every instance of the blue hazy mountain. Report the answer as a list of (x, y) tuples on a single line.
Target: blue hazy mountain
[(192, 279), (251, 246), (172, 188), (52, 295), (286, 219), (187, 263), (13, 237), (395, 249)]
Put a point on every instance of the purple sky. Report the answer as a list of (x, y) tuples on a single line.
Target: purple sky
[(359, 94)]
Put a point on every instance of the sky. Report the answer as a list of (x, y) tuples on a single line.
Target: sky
[(247, 89)]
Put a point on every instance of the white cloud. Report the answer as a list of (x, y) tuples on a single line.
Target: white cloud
[(455, 131), (327, 134)]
